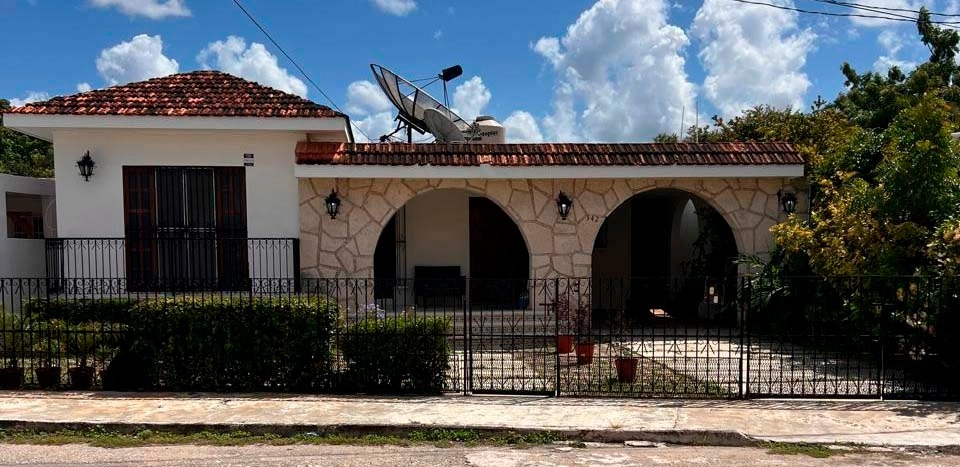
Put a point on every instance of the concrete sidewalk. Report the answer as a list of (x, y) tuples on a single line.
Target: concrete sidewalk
[(693, 422)]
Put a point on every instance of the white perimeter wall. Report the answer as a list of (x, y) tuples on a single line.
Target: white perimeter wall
[(95, 208), (438, 230), (20, 257)]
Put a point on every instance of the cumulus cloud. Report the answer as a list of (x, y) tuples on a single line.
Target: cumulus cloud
[(153, 9), (139, 59), (752, 55), (396, 7), (521, 127), (470, 98), (254, 63), (84, 87), (32, 96), (623, 65), (369, 110), (892, 44)]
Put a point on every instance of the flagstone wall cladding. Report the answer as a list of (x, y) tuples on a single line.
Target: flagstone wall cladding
[(344, 247)]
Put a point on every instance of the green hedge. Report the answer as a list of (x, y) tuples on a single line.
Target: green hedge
[(396, 355), (214, 344), (77, 311)]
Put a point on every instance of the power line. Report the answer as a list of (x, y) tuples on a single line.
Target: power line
[(840, 15), (297, 65), (893, 12), (887, 8)]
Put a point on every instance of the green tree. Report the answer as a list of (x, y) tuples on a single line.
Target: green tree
[(21, 154)]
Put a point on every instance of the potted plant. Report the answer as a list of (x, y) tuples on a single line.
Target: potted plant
[(11, 340), (565, 324), (625, 362), (49, 346), (82, 344), (585, 345)]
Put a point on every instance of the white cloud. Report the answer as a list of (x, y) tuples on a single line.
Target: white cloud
[(153, 9), (752, 55), (255, 63), (521, 127), (84, 87), (140, 58), (32, 96), (470, 98), (369, 110), (396, 7), (438, 34), (892, 44), (364, 98), (623, 64)]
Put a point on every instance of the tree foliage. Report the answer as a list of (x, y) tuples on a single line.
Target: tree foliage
[(23, 155)]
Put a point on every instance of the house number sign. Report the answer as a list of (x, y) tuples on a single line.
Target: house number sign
[(248, 160)]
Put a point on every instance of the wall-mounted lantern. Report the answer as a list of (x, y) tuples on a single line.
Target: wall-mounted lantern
[(788, 200), (332, 201), (86, 165), (564, 204)]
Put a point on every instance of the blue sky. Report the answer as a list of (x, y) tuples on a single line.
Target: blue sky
[(551, 70)]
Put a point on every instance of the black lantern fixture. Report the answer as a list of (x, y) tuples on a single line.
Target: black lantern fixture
[(564, 204), (86, 165), (788, 200), (333, 204)]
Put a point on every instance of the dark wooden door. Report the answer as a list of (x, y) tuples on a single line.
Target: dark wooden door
[(499, 261)]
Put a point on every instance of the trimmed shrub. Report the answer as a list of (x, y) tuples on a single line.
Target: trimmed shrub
[(396, 355), (214, 344), (76, 311)]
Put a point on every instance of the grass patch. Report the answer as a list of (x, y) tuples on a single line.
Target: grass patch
[(818, 451), (99, 437)]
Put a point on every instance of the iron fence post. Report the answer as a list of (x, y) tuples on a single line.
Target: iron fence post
[(556, 336), (467, 341), (745, 308)]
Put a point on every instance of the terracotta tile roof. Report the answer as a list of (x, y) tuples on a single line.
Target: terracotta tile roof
[(199, 93), (548, 154)]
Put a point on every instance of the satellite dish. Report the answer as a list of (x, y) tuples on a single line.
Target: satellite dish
[(412, 101), (442, 127)]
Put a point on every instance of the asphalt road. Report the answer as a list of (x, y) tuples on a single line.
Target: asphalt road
[(365, 456)]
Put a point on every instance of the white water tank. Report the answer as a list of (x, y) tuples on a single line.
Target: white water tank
[(489, 130)]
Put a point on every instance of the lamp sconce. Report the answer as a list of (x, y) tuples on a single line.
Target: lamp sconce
[(332, 202), (788, 201), (86, 165), (564, 205)]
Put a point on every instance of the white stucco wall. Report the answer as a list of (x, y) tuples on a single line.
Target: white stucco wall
[(438, 230), (95, 208), (21, 257)]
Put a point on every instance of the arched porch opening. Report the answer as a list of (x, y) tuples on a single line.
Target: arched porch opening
[(440, 238), (664, 253)]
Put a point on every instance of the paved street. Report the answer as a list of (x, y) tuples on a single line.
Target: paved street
[(335, 456)]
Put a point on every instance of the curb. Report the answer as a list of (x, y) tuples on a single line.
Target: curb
[(675, 437)]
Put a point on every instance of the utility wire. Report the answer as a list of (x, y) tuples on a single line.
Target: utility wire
[(887, 8), (881, 10), (297, 65), (841, 15)]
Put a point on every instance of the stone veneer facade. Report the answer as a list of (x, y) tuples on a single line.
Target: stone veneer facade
[(344, 247)]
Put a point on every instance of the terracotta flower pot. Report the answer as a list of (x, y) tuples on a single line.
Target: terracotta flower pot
[(48, 377), (564, 343), (626, 369), (11, 378), (585, 353), (81, 377)]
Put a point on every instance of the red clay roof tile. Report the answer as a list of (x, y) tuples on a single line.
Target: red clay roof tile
[(547, 154), (194, 94)]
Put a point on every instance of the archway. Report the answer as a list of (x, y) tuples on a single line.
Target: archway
[(663, 253), (438, 239)]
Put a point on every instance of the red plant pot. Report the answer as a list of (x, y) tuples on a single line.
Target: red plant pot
[(626, 369), (48, 377), (564, 343), (584, 353), (81, 378)]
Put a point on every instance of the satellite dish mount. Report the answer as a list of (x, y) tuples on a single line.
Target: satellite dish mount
[(412, 101)]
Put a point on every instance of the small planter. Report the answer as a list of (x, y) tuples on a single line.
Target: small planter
[(564, 343), (585, 353), (81, 378), (626, 369), (11, 378), (48, 377)]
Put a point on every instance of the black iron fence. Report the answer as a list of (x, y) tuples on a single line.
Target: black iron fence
[(863, 337), (171, 263)]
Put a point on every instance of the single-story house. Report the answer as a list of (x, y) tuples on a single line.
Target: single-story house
[(212, 179)]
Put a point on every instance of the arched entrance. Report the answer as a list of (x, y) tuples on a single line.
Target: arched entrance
[(438, 239), (663, 253)]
